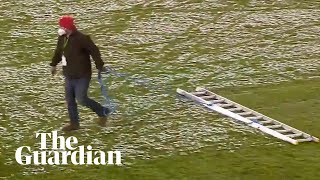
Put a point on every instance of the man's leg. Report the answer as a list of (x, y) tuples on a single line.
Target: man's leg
[(72, 105), (81, 94)]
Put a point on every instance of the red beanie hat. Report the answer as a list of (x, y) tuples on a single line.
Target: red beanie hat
[(67, 22)]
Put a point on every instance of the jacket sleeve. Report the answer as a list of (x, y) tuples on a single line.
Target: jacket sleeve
[(57, 54), (94, 52)]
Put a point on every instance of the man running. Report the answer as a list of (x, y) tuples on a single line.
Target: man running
[(73, 51)]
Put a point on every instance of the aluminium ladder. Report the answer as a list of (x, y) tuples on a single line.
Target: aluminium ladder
[(250, 117)]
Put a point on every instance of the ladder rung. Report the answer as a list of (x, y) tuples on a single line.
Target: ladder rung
[(304, 140), (255, 118), (244, 113), (274, 126), (217, 101), (266, 122), (235, 109), (294, 135), (208, 97), (284, 130), (199, 93), (225, 105)]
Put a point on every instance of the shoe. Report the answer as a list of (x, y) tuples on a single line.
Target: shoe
[(71, 127), (102, 121)]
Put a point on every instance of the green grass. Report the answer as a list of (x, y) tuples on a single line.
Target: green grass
[(294, 103), (183, 44)]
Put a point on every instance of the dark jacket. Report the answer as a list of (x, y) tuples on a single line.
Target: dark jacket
[(77, 51)]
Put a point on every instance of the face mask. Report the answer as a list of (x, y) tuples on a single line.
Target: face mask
[(61, 32)]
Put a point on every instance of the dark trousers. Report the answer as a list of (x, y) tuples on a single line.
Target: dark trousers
[(76, 90)]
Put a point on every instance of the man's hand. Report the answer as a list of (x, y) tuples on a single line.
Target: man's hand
[(53, 70), (105, 69)]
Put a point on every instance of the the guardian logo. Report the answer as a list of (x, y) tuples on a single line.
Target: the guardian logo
[(64, 154)]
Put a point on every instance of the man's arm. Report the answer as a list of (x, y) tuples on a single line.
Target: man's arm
[(57, 54), (94, 52)]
